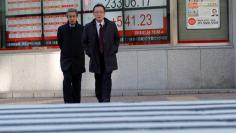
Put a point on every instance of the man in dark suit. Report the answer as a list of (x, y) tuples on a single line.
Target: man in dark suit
[(72, 57), (101, 42)]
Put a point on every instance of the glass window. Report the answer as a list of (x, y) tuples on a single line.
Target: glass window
[(203, 21)]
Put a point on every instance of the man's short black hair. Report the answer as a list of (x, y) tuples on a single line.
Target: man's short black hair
[(99, 5)]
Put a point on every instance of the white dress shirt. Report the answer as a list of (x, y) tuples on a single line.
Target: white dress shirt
[(98, 26)]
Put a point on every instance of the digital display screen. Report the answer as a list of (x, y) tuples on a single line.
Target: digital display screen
[(29, 25), (23, 29), (22, 7), (55, 6), (117, 4)]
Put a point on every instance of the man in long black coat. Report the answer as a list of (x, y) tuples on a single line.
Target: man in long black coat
[(101, 42), (72, 57)]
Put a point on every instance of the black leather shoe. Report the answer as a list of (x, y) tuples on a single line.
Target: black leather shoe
[(106, 100)]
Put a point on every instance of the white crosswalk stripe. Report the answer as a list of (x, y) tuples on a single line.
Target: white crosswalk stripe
[(144, 117)]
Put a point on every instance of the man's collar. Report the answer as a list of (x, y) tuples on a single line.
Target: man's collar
[(98, 23), (72, 25)]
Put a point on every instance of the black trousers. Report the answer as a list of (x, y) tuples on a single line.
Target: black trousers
[(72, 87), (103, 83)]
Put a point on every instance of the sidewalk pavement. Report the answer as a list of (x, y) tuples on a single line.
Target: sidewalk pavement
[(186, 97)]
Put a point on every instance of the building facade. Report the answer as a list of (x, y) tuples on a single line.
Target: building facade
[(167, 46)]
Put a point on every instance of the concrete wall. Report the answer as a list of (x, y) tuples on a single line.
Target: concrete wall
[(141, 72)]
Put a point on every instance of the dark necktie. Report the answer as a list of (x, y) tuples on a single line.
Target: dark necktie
[(101, 36)]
